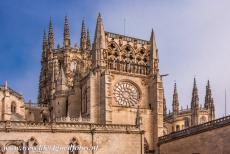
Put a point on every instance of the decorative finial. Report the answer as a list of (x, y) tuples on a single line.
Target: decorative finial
[(6, 85)]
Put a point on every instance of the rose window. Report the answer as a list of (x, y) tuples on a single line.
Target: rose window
[(126, 94)]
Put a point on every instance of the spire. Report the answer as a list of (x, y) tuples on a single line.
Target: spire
[(195, 97), (175, 103), (153, 53), (44, 46), (153, 44), (61, 82), (195, 105), (66, 33), (208, 96), (51, 35), (88, 42), (209, 103), (208, 84), (83, 36), (99, 39)]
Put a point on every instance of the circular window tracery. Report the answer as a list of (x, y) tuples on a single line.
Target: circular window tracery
[(126, 94)]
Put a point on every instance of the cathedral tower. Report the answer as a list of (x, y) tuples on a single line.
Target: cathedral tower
[(116, 81)]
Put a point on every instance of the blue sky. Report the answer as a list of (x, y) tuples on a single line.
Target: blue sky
[(193, 38)]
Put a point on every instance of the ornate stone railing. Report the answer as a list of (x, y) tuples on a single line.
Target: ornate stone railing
[(195, 129), (127, 67), (35, 105), (24, 126), (72, 119), (126, 38)]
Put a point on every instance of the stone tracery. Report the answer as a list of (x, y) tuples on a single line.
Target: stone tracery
[(126, 94), (127, 59)]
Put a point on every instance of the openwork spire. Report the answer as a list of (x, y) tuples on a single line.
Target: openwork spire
[(66, 33), (51, 35), (195, 97), (175, 103), (83, 36), (88, 42)]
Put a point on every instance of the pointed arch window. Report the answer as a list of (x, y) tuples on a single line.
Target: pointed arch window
[(13, 107)]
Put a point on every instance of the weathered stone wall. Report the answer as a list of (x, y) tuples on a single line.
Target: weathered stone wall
[(209, 138), (8, 97), (110, 139)]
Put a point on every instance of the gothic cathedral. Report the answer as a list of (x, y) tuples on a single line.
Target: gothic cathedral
[(106, 92)]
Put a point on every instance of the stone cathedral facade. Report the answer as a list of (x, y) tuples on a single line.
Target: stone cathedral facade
[(107, 93), (180, 119)]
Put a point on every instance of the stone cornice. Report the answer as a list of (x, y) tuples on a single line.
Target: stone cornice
[(66, 127)]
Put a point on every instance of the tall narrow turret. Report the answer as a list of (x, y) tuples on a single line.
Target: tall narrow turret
[(83, 36), (66, 34), (42, 97), (154, 60), (209, 103), (175, 103), (195, 104), (99, 43), (51, 35)]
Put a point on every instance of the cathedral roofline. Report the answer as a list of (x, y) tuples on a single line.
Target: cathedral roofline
[(127, 38), (13, 92)]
